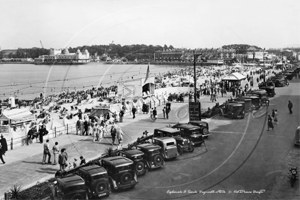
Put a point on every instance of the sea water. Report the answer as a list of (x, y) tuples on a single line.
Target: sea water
[(27, 81)]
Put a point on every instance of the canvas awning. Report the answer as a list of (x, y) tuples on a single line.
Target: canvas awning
[(234, 77), (17, 116)]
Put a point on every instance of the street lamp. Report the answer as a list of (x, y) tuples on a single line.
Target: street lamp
[(264, 65), (195, 79)]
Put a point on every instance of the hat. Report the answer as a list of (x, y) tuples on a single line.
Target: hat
[(145, 132)]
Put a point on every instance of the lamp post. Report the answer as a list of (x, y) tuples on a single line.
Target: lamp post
[(264, 65), (195, 79)]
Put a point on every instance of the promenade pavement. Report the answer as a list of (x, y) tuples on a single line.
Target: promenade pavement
[(24, 164)]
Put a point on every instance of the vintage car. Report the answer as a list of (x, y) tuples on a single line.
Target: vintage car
[(138, 157), (204, 127), (96, 180), (194, 133), (279, 81), (261, 94), (95, 177), (120, 171), (152, 154), (70, 187), (168, 147), (183, 144), (255, 101), (269, 87), (234, 110), (297, 137)]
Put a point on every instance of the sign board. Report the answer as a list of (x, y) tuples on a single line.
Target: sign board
[(195, 111)]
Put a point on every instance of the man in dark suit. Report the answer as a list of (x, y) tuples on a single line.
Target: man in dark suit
[(3, 144)]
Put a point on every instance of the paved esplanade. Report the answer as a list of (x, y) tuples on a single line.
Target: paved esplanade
[(24, 164)]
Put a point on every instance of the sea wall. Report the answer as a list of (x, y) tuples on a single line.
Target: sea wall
[(170, 90)]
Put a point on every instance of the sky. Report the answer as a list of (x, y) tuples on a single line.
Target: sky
[(180, 23)]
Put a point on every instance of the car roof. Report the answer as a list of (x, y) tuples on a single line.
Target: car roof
[(238, 105), (149, 147), (118, 161), (186, 126), (133, 152), (93, 170), (198, 122), (69, 181), (165, 139), (167, 129)]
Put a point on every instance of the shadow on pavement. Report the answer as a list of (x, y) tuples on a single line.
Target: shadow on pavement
[(32, 162)]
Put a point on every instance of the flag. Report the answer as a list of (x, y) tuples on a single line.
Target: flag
[(147, 75)]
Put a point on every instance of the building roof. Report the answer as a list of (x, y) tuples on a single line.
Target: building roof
[(17, 115), (234, 77)]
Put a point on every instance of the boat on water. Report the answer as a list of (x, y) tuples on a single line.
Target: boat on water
[(63, 57)]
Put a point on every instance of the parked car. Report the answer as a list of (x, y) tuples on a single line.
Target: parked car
[(96, 180), (297, 137), (204, 127), (70, 187), (138, 157), (234, 110), (120, 171), (280, 82), (194, 133), (183, 144), (168, 147), (153, 156)]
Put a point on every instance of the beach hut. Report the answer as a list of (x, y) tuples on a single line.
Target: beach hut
[(234, 79), (14, 118)]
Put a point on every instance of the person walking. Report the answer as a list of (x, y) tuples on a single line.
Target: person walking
[(86, 127), (120, 135), (78, 126), (55, 150), (270, 123), (46, 152), (2, 153), (95, 132), (164, 112), (121, 114), (113, 132), (100, 132), (154, 113), (62, 159), (290, 106), (81, 127), (41, 135), (133, 112), (273, 113), (3, 143), (275, 117)]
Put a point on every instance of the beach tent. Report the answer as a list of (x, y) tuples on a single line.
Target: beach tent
[(100, 110), (234, 77), (14, 117)]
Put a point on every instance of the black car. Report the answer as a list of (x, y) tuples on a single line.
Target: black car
[(120, 171), (204, 127), (153, 155), (183, 144), (137, 157), (70, 187), (96, 180), (194, 133)]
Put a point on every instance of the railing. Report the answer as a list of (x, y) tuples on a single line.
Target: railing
[(57, 131)]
